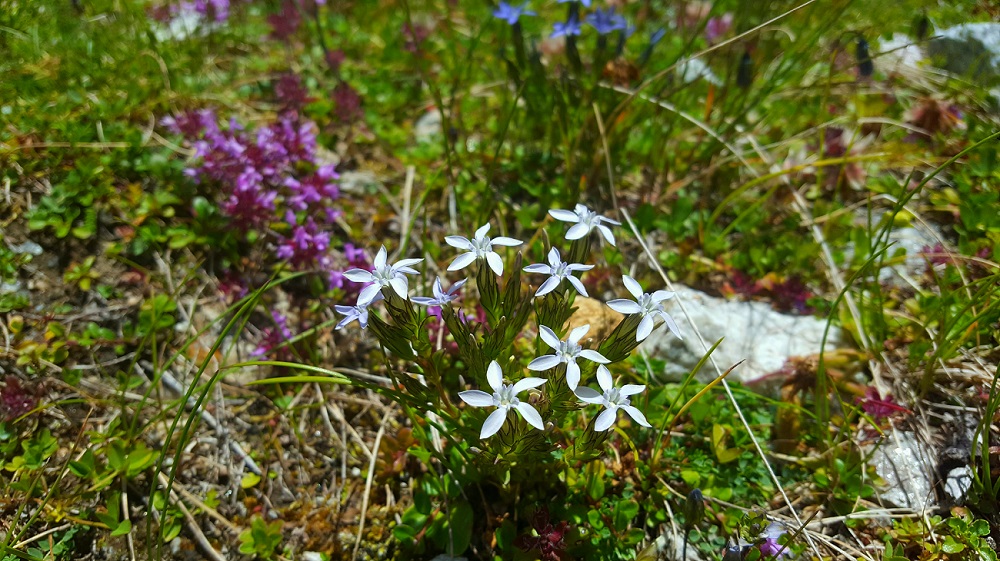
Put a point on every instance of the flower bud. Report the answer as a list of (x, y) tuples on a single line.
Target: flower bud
[(865, 66), (694, 509)]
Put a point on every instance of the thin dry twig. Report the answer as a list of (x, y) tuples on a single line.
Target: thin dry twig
[(192, 524), (368, 485)]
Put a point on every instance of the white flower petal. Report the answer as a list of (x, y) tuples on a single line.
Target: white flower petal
[(624, 306), (637, 415), (606, 232), (604, 378), (605, 419), (399, 284), (359, 275), (538, 268), (644, 329), (347, 320), (578, 333), (573, 267), (462, 261), (549, 336), (458, 242), (380, 258), (548, 286), (661, 295), (610, 221), (368, 294), (406, 263), (632, 286), (344, 310), (493, 423), (494, 376), (476, 398), (505, 241), (482, 231), (594, 356), (495, 263), (572, 375), (670, 324), (544, 362), (424, 301), (578, 285), (577, 231), (581, 209), (553, 257), (407, 270), (456, 286), (589, 395), (631, 389), (564, 215), (527, 384), (530, 415)]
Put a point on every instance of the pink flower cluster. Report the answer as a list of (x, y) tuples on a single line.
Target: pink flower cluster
[(267, 177)]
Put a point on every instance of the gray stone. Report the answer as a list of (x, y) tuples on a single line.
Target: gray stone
[(957, 484), (904, 463), (29, 247), (971, 50), (428, 127), (753, 332)]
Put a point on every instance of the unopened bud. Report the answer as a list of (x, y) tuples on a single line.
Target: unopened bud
[(694, 509), (865, 65)]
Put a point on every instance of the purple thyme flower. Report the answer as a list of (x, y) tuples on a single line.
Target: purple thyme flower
[(306, 246), (567, 28), (771, 547), (606, 21), (511, 14), (274, 335), (717, 27)]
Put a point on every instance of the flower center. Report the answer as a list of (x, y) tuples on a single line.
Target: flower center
[(567, 350), (560, 270), (482, 246), (614, 397), (505, 397), (384, 275)]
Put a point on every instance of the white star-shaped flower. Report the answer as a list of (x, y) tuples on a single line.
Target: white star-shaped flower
[(440, 296), (480, 247), (566, 352), (649, 305), (559, 271), (382, 275), (586, 220), (504, 398), (358, 312), (612, 399)]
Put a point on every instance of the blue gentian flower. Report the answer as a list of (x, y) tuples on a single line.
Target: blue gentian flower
[(569, 27), (606, 21), (511, 14)]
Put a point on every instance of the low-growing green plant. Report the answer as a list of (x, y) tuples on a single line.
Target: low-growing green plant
[(528, 441), (261, 538)]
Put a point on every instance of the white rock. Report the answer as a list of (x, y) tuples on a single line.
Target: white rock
[(904, 463), (969, 49), (428, 127), (29, 247), (753, 331), (901, 54), (957, 483)]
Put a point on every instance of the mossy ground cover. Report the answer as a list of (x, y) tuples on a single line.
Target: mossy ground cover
[(188, 369)]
